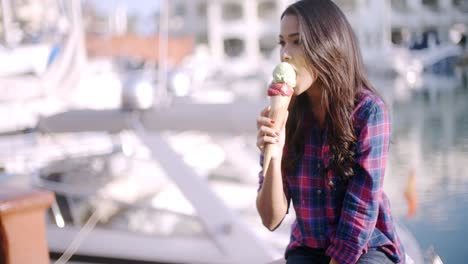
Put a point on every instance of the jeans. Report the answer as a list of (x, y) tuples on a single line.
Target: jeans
[(317, 256)]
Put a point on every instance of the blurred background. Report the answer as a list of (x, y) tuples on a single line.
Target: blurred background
[(140, 116)]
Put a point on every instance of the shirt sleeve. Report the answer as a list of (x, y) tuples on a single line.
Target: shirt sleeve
[(285, 182), (361, 202)]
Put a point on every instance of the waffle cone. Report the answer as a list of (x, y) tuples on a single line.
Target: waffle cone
[(278, 109)]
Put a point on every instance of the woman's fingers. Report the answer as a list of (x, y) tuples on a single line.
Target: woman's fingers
[(267, 135), (262, 140), (263, 118), (264, 121), (268, 131)]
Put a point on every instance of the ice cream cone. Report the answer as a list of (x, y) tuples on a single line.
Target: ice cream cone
[(278, 109), (280, 92)]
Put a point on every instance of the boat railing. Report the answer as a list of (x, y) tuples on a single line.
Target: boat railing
[(76, 192), (99, 215)]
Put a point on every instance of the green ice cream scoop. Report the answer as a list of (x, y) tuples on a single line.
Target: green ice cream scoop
[(284, 73)]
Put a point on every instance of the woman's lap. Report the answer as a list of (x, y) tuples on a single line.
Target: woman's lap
[(373, 256), (307, 260), (307, 255)]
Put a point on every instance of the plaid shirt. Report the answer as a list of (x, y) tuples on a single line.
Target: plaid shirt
[(345, 219)]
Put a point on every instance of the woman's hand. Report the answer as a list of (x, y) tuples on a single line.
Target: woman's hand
[(333, 261), (267, 134)]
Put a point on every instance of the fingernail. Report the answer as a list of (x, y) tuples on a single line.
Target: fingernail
[(277, 133), (272, 121)]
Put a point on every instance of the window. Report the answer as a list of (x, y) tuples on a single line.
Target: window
[(180, 10), (267, 45), (399, 5), (267, 10), (461, 5), (201, 9), (401, 36), (234, 47), (202, 38), (432, 4), (231, 11), (346, 5)]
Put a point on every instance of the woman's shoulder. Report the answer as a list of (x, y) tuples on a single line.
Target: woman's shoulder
[(368, 102), (370, 107)]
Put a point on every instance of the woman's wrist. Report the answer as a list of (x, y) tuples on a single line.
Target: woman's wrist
[(277, 158)]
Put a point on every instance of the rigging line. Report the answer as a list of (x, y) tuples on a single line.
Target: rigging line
[(79, 238)]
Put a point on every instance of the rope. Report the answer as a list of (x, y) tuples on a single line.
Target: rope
[(82, 234)]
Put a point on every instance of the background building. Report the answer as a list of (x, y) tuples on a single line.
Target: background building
[(237, 32)]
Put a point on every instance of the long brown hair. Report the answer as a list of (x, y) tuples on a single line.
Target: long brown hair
[(333, 53)]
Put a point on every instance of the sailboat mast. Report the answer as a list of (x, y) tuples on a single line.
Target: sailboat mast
[(163, 44)]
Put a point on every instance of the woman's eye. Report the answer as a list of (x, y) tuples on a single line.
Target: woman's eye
[(297, 42), (281, 43)]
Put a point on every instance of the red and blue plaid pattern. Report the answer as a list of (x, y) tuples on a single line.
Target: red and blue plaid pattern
[(345, 218)]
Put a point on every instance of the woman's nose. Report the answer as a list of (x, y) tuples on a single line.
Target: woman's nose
[(285, 56)]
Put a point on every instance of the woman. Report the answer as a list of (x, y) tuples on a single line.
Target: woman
[(330, 156)]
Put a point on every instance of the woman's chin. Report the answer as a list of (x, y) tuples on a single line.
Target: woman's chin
[(298, 91)]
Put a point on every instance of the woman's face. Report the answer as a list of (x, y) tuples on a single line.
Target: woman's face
[(292, 52)]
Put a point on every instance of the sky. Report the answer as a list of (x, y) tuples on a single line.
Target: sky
[(140, 7)]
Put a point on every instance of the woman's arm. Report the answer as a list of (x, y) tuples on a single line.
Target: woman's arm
[(361, 201), (272, 201)]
